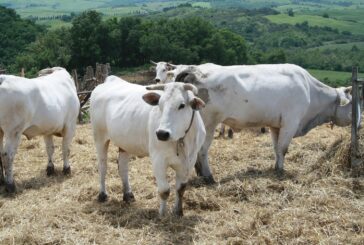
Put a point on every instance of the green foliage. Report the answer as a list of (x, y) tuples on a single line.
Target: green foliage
[(132, 42), (86, 35), (15, 35), (49, 50)]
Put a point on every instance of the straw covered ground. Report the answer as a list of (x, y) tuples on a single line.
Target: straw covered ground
[(318, 200)]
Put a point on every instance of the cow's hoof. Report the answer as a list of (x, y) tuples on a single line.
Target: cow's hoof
[(279, 172), (178, 213), (67, 171), (198, 169), (209, 180), (102, 197), (50, 170), (10, 188), (128, 197), (230, 133)]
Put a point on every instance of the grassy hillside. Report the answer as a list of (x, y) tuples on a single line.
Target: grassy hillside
[(314, 20), (44, 8), (333, 78)]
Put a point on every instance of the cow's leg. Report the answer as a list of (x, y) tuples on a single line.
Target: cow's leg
[(274, 132), (48, 140), (284, 139), (123, 164), (11, 145), (230, 133), (160, 173), (68, 134), (202, 165), (101, 149), (2, 178), (181, 184), (222, 130)]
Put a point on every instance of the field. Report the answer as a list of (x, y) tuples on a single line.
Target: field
[(314, 20), (107, 7), (316, 201)]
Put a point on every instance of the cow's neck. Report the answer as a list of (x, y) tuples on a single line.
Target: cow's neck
[(322, 109)]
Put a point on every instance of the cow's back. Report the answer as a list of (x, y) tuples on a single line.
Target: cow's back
[(40, 105), (259, 95)]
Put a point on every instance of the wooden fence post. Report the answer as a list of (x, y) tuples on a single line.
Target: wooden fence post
[(354, 129), (22, 72)]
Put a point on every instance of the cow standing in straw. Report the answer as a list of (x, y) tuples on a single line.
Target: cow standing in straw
[(163, 124), (47, 105)]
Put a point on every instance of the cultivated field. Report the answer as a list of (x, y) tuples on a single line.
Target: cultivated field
[(316, 201)]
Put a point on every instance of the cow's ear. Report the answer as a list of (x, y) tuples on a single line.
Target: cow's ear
[(151, 98), (197, 103)]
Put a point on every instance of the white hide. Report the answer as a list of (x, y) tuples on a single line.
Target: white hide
[(284, 97), (46, 105), (120, 115)]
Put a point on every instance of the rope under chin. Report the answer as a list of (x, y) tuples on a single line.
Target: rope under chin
[(180, 141)]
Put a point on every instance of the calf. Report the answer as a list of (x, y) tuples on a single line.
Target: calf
[(163, 124), (47, 105)]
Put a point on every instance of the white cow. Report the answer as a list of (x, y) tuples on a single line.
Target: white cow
[(284, 97), (171, 133), (47, 106)]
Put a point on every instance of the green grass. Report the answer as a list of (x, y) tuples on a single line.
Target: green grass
[(341, 46), (314, 20), (202, 4), (333, 78)]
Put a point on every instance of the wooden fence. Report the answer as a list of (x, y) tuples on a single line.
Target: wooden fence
[(87, 83), (357, 101)]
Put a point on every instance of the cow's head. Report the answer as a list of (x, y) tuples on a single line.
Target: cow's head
[(343, 111), (161, 70), (176, 105)]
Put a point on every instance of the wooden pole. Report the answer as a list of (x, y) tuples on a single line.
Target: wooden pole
[(22, 72), (354, 128)]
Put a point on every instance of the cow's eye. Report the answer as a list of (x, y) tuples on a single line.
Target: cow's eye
[(181, 106), (164, 70)]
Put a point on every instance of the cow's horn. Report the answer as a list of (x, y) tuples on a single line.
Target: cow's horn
[(171, 65), (155, 87), (154, 63), (189, 86)]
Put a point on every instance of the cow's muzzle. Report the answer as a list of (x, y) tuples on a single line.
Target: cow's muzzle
[(162, 135), (157, 80)]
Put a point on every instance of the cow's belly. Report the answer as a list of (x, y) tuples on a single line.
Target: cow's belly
[(239, 122), (35, 130)]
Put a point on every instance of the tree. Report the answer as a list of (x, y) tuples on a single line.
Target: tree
[(49, 50), (290, 12), (87, 35), (15, 35)]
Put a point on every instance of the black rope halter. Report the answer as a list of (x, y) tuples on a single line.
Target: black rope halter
[(180, 141)]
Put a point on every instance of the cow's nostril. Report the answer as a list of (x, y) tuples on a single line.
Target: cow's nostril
[(162, 135), (157, 80)]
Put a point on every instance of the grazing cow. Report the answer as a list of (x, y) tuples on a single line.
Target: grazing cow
[(284, 97), (166, 126), (47, 105)]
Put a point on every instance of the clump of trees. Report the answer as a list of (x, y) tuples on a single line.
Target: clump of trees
[(132, 41), (15, 35)]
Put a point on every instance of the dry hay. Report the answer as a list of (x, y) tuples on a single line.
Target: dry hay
[(316, 201)]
